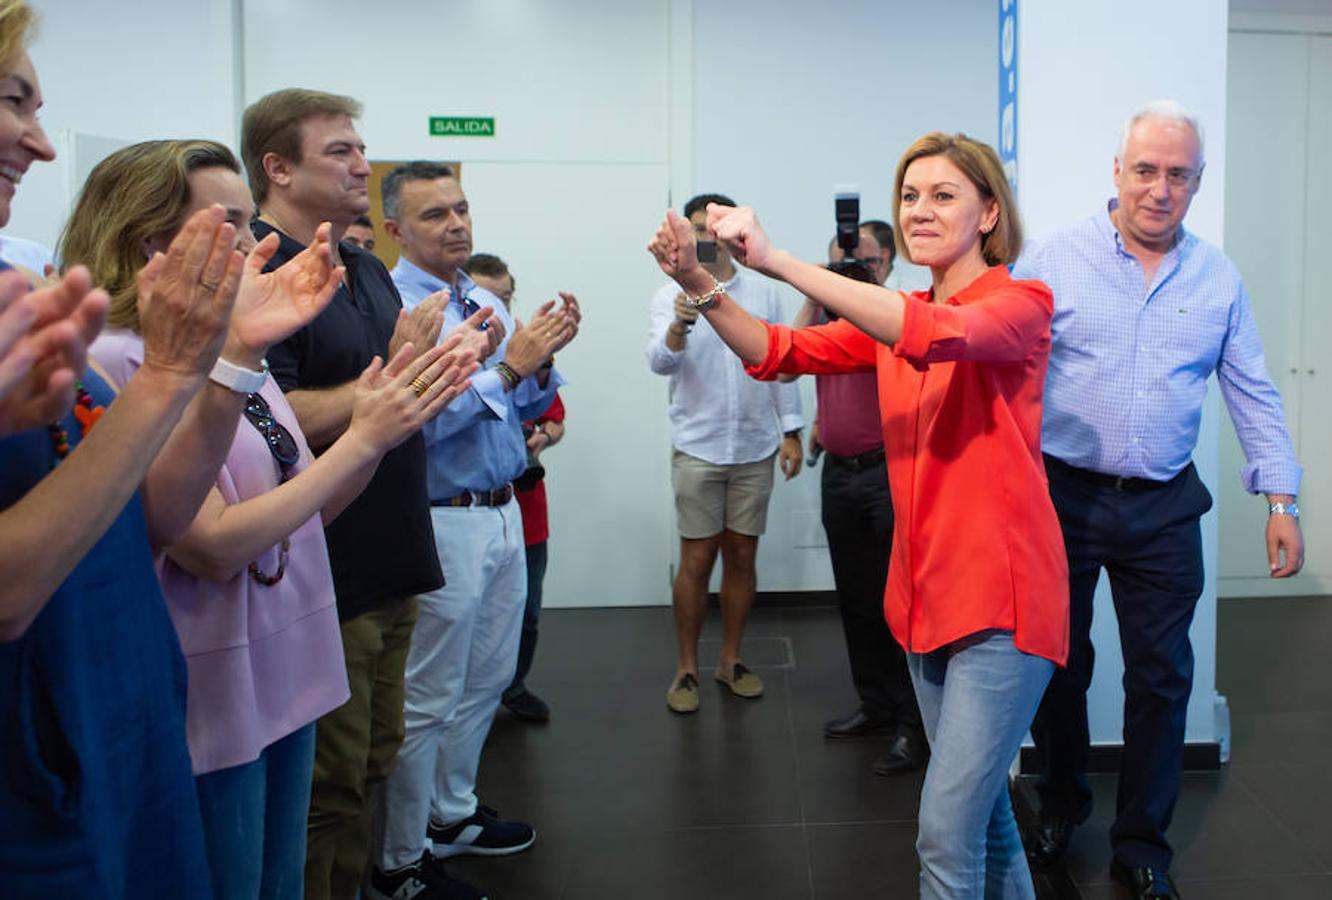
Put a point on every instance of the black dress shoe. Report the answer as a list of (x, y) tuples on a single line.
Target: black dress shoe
[(1145, 882), (1049, 840), (857, 725), (907, 753), (527, 706)]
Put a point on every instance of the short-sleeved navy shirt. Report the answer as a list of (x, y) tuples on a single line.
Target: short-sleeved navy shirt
[(382, 546)]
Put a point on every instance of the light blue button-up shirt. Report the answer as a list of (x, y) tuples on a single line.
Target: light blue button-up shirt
[(1129, 361), (476, 443)]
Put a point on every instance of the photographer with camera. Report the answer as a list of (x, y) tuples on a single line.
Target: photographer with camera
[(858, 517), (726, 431)]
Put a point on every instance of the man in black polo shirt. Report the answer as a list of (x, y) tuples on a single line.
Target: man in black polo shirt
[(307, 165)]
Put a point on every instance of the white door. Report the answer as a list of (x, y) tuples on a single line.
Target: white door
[(1277, 194)]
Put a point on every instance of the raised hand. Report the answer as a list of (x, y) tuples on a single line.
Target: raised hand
[(186, 296), (393, 401), (532, 344), (273, 305), (739, 230), (42, 364), (574, 314), (421, 326), (675, 248), (481, 341), (16, 317)]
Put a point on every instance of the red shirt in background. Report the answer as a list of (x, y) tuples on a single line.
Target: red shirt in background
[(848, 416), (976, 544), (536, 525)]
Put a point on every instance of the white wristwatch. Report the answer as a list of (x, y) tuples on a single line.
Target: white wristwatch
[(238, 378)]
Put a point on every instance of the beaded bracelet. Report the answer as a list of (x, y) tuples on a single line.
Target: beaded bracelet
[(507, 375)]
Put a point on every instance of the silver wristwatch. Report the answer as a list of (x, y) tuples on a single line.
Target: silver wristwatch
[(1284, 509)]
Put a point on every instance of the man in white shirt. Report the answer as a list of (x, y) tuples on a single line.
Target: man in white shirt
[(726, 430)]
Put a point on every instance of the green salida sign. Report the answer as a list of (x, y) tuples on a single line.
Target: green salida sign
[(462, 126)]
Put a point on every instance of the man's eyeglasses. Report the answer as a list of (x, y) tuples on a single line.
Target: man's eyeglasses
[(1177, 177)]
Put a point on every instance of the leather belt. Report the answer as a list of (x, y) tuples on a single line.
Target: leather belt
[(860, 462), (1120, 483), (497, 497)]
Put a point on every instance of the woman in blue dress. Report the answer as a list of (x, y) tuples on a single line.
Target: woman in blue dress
[(96, 793)]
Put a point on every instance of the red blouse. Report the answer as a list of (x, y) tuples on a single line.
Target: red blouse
[(976, 544)]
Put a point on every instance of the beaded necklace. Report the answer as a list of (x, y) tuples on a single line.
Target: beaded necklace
[(84, 413)]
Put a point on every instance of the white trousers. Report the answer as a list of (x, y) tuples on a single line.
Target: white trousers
[(464, 653)]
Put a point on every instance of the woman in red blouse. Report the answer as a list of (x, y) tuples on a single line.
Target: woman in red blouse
[(977, 588)]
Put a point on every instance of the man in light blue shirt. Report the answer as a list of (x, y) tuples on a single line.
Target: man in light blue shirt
[(1145, 312), (465, 644)]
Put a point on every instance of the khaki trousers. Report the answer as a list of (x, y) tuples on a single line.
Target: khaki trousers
[(355, 746)]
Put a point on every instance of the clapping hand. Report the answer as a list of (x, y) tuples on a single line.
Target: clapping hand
[(548, 331), (573, 315), (393, 401), (44, 338), (481, 332), (186, 296), (273, 305), (421, 326)]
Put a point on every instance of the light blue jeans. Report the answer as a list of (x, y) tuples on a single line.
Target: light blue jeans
[(254, 819), (977, 698)]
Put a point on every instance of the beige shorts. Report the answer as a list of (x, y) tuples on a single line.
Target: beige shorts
[(709, 497)]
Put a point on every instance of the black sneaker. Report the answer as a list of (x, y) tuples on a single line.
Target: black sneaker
[(423, 880), (447, 887), (526, 706), (482, 833)]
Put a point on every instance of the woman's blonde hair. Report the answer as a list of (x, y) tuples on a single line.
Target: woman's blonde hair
[(18, 25), (981, 165), (132, 196)]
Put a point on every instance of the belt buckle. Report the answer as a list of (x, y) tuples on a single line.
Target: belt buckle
[(1119, 483)]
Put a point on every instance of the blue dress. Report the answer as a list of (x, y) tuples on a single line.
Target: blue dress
[(96, 795)]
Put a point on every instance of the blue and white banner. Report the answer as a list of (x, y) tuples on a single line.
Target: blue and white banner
[(1008, 66)]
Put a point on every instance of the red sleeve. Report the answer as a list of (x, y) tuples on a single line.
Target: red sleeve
[(815, 350), (554, 412), (1005, 325)]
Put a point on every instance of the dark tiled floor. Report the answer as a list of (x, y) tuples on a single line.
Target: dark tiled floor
[(746, 801)]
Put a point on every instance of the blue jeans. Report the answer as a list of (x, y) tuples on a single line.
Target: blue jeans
[(977, 698), (254, 818)]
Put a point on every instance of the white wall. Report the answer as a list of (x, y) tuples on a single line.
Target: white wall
[(605, 113), (105, 72), (1083, 69), (791, 98), (567, 192)]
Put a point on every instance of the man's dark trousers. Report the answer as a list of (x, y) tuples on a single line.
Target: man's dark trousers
[(858, 519), (1147, 537)]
